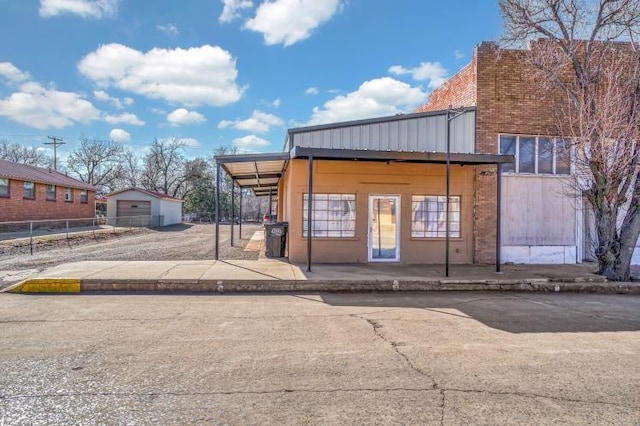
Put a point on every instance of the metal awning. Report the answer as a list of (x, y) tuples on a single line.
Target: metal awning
[(399, 156), (259, 172)]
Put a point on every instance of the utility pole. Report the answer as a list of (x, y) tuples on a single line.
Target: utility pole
[(55, 142)]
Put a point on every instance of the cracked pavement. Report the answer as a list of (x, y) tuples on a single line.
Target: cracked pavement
[(432, 358)]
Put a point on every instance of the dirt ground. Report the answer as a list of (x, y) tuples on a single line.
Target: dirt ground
[(178, 242)]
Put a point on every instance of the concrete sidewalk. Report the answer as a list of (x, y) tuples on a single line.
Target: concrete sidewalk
[(271, 275)]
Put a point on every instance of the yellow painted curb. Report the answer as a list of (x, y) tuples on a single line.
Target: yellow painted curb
[(48, 285)]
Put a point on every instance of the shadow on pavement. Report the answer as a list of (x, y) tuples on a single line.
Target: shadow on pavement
[(515, 313)]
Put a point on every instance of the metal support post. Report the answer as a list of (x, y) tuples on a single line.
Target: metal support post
[(448, 192), (240, 214), (217, 207), (309, 212), (498, 219), (233, 207)]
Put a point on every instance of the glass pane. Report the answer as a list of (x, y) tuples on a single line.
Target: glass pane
[(545, 156), (383, 229), (563, 158), (334, 215), (526, 156), (508, 146)]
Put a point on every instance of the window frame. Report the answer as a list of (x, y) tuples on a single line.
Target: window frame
[(85, 193), (48, 193), (453, 200), (555, 141), (330, 233), (24, 189), (68, 191), (7, 185)]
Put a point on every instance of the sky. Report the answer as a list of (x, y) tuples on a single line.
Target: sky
[(233, 73)]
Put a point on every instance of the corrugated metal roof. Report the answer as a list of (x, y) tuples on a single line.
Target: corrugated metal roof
[(260, 172), (148, 192), (24, 172), (420, 132)]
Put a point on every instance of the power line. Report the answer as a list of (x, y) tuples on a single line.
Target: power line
[(55, 142)]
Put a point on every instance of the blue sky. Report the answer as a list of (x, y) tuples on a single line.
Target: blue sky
[(222, 72)]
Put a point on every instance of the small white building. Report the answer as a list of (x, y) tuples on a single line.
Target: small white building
[(139, 206)]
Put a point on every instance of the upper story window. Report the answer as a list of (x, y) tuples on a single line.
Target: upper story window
[(29, 190), (4, 187), (536, 155), (68, 195), (83, 196), (51, 192)]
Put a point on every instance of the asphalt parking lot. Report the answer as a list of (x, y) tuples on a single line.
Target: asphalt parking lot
[(436, 358)]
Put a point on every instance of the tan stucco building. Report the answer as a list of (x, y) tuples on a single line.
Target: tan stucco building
[(378, 188)]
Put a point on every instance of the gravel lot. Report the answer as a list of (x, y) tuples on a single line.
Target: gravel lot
[(178, 242)]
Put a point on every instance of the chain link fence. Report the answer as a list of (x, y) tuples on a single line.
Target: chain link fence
[(29, 235)]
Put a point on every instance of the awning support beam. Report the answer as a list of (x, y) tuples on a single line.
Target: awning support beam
[(309, 211), (233, 207), (240, 214), (217, 246), (498, 216)]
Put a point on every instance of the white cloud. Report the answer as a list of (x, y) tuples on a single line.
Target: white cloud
[(86, 8), (374, 98), (259, 122), (42, 108), (168, 29), (311, 91), (187, 142), (181, 116), (287, 22), (276, 103), (190, 142), (12, 74), (124, 118), (232, 9), (250, 143), (203, 75), (119, 135), (433, 72), (101, 95)]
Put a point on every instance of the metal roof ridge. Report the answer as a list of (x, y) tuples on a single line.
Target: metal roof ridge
[(374, 120)]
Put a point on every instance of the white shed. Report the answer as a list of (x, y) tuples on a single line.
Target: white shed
[(142, 207)]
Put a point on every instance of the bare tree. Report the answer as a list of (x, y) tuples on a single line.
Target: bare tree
[(23, 154), (588, 62), (131, 170), (97, 162), (164, 167)]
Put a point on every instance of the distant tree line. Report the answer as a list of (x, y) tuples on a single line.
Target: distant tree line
[(164, 168)]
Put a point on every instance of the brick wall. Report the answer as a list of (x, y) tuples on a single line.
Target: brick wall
[(458, 91), (15, 208), (498, 82)]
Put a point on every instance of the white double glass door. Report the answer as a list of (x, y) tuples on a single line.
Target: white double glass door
[(384, 228)]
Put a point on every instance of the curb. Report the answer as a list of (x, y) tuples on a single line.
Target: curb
[(46, 285), (539, 285)]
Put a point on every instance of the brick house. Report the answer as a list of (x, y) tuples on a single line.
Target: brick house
[(35, 193)]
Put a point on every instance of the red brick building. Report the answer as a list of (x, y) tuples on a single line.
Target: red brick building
[(543, 218), (36, 193)]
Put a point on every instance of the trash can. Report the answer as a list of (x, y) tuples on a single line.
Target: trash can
[(275, 238)]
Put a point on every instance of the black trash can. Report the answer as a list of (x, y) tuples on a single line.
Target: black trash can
[(275, 238)]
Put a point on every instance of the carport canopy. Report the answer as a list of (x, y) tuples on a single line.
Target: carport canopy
[(258, 172)]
